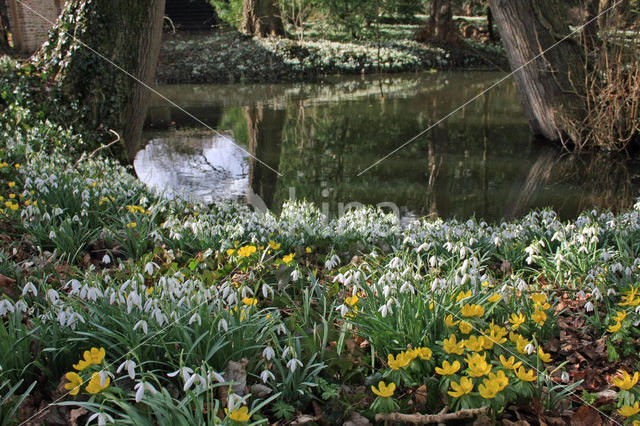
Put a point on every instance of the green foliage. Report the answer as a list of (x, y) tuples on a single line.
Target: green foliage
[(229, 11)]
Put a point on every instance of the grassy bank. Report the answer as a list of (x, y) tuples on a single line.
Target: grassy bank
[(140, 310), (221, 57)]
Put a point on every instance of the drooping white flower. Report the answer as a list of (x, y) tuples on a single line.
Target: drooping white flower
[(293, 363), (141, 387), (103, 418), (268, 353), (130, 365), (266, 375), (29, 288)]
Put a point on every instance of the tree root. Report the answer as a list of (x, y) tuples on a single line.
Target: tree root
[(422, 419)]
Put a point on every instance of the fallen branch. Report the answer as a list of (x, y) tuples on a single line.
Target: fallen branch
[(100, 148), (423, 419)]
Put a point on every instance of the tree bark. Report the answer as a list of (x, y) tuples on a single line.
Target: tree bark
[(262, 17), (440, 25), (590, 24), (127, 33), (613, 14), (4, 27), (549, 86)]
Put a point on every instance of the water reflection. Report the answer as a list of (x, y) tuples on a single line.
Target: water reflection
[(479, 162)]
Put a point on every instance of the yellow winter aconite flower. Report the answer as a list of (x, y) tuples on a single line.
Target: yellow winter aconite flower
[(246, 251), (516, 320), (75, 381), (477, 365), (424, 353), (472, 310), (250, 301), (629, 298), (12, 184), (352, 300), (489, 389), (274, 245), (524, 375), (628, 411), (521, 344), (132, 225), (288, 258), (539, 298), (402, 360), (620, 316), (474, 344), (308, 249), (510, 364), (240, 414), (94, 385), (463, 295), (230, 251), (495, 297), (539, 317), (500, 379), (449, 322), (450, 345), (465, 327), (383, 390), (94, 356), (460, 389), (448, 369), (544, 357), (615, 327), (627, 381)]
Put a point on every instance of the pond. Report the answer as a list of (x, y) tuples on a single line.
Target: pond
[(275, 142)]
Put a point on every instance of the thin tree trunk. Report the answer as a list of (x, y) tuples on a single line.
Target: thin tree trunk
[(128, 34), (590, 23), (262, 17), (4, 26), (549, 85)]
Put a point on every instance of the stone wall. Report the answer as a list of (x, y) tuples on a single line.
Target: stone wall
[(28, 28)]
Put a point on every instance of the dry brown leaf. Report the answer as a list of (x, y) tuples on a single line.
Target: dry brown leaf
[(586, 416)]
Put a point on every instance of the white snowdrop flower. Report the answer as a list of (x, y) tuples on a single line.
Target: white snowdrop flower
[(266, 375), (423, 246), (281, 329), (407, 287), (93, 293), (29, 288), (21, 306), (130, 365), (588, 306), (195, 317), (581, 294), (286, 352), (149, 268), (295, 275), (213, 375), (340, 278), (195, 378), (57, 211), (383, 310), (102, 418), (293, 363), (565, 377), (141, 387), (605, 256), (583, 249), (268, 353), (73, 318), (53, 296), (185, 373), (61, 317), (223, 325), (234, 401), (611, 292), (266, 290), (143, 325), (344, 310), (597, 294), (52, 235), (104, 374), (530, 348)]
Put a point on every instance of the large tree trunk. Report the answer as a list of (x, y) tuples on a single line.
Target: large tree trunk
[(549, 86), (440, 26), (4, 27), (262, 17), (127, 34)]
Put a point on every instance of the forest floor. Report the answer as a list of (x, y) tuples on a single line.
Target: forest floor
[(321, 51)]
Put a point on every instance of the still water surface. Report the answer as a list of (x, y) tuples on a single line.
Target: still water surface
[(480, 162)]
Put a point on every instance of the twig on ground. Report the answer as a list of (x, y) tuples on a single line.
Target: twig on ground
[(422, 419)]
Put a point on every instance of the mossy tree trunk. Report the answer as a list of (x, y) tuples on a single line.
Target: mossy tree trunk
[(127, 34), (262, 17), (550, 85)]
